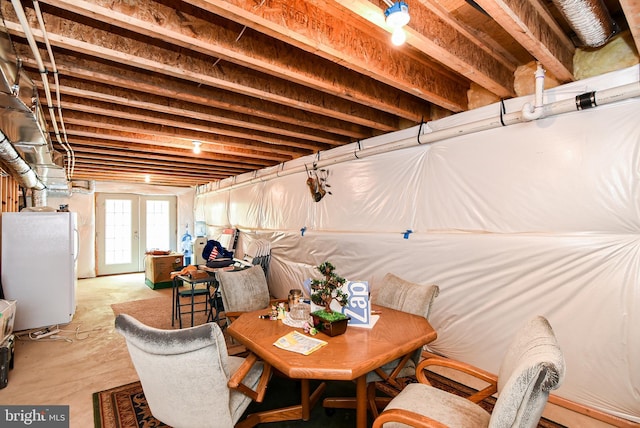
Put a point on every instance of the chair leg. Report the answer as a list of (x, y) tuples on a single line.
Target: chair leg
[(371, 399), (192, 299), (174, 297), (213, 307)]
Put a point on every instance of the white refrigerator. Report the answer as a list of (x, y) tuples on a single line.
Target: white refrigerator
[(39, 258)]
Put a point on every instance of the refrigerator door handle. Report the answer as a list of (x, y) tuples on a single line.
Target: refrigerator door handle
[(76, 244)]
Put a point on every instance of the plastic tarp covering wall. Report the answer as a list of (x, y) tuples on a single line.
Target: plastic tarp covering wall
[(537, 218)]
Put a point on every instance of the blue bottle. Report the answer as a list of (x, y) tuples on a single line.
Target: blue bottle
[(187, 246)]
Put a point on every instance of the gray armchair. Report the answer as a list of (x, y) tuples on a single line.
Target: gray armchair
[(187, 376), (244, 291), (402, 295), (533, 366)]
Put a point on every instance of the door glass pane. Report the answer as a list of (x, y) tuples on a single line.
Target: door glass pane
[(158, 226), (117, 231)]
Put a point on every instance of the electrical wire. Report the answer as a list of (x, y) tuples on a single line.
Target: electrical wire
[(59, 335), (77, 332), (66, 146)]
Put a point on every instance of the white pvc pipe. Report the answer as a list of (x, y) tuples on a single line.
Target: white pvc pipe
[(66, 146), (534, 112), (581, 102)]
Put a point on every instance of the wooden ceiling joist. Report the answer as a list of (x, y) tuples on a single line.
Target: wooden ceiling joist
[(261, 83), (190, 67), (183, 139), (173, 89), (530, 23), (195, 164), (118, 97), (280, 144), (251, 50), (90, 138), (311, 27)]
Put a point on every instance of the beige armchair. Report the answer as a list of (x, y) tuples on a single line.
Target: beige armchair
[(402, 295), (533, 366), (187, 376)]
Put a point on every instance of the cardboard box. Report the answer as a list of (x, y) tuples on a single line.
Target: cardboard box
[(7, 317), (158, 269)]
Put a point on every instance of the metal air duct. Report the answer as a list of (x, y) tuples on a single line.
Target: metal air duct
[(25, 146), (590, 19), (18, 168)]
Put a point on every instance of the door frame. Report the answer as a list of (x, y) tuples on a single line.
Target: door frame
[(138, 231)]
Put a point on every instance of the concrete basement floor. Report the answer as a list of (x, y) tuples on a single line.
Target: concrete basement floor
[(59, 372)]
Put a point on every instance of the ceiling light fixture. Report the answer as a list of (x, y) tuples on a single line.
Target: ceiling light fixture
[(196, 146), (397, 16)]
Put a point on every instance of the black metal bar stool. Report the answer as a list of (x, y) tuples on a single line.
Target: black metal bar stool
[(197, 299)]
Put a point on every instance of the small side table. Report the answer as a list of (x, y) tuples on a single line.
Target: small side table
[(209, 296)]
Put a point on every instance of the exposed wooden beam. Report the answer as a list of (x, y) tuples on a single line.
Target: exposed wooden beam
[(318, 27), (631, 10), (93, 137), (433, 32), (171, 162), (88, 172), (195, 161), (138, 82), (122, 97), (100, 158), (533, 27), (267, 81), (248, 49), (278, 143), (181, 65), (182, 139)]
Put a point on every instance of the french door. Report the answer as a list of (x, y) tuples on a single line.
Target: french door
[(128, 225)]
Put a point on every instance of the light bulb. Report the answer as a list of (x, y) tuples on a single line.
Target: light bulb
[(398, 37), (147, 178), (196, 147)]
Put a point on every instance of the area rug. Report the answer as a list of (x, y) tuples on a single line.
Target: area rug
[(123, 407), (126, 406), (156, 312)]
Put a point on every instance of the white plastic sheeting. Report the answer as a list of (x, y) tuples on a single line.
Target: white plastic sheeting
[(538, 218)]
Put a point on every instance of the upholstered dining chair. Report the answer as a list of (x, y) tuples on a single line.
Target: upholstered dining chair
[(244, 291), (402, 295), (187, 376), (532, 367)]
